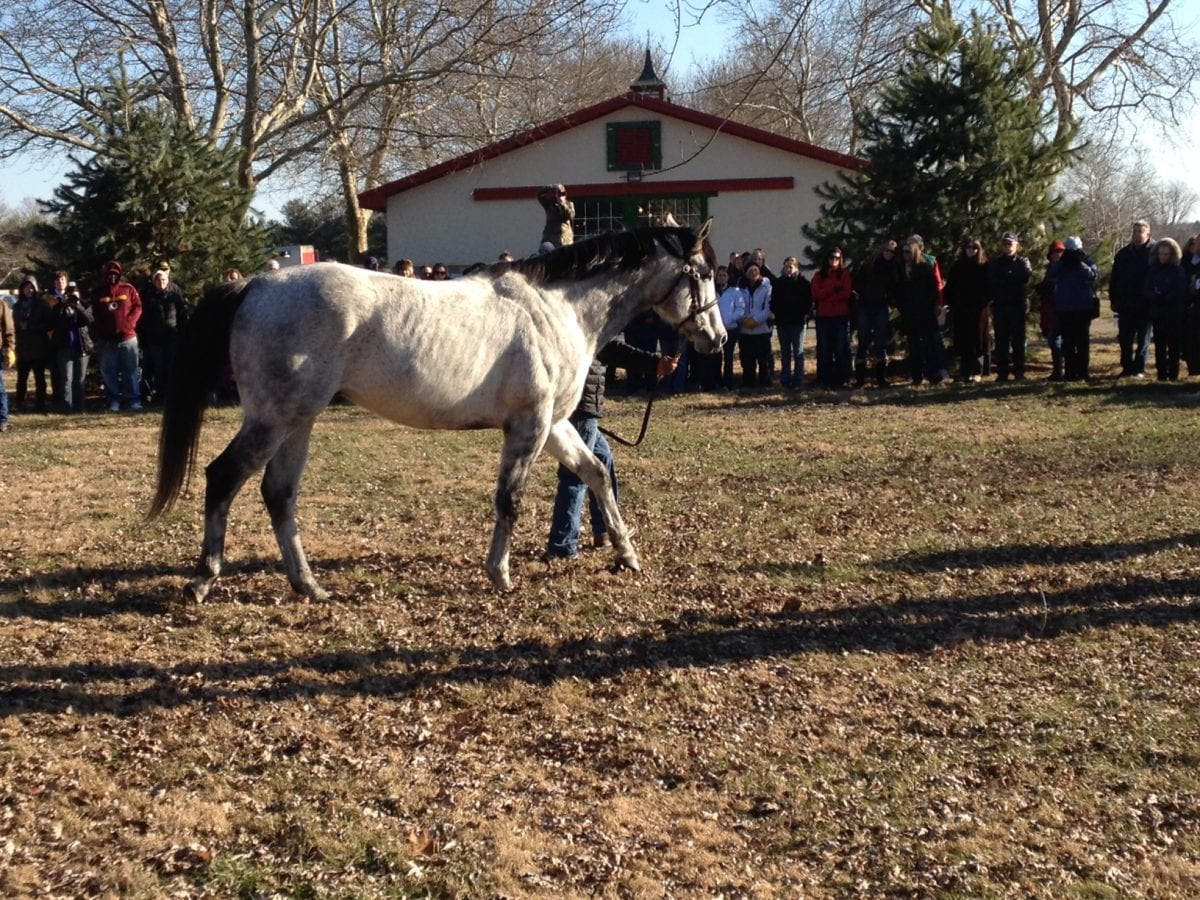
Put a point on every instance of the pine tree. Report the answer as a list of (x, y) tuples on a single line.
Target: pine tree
[(157, 191), (956, 148)]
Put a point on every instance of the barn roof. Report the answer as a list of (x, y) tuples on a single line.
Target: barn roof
[(376, 198)]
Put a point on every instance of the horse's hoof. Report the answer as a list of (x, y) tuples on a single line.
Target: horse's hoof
[(500, 580), (197, 590), (312, 591), (627, 561)]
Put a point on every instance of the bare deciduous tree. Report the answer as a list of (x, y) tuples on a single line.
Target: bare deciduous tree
[(806, 68), (279, 79), (1112, 57)]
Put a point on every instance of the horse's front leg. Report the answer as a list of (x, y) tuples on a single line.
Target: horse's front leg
[(523, 440), (565, 445)]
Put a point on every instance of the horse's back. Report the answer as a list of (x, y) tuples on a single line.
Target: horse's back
[(432, 355)]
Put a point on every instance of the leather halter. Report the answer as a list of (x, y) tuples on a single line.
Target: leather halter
[(695, 306)]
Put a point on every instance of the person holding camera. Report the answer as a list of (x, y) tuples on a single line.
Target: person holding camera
[(72, 345)]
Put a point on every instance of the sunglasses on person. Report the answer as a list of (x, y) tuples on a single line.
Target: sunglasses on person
[(440, 273)]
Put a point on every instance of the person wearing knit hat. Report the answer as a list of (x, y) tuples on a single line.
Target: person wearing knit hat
[(1075, 304), (34, 321), (117, 307), (1048, 317)]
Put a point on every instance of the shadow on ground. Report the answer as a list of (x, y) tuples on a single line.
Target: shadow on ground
[(910, 626)]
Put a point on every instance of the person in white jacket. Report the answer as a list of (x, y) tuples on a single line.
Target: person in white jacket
[(731, 301), (754, 345)]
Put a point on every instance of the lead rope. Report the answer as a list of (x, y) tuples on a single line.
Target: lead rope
[(654, 387), (645, 422)]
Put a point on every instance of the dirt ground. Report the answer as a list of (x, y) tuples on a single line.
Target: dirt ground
[(903, 642)]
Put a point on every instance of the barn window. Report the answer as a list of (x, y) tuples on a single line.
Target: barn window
[(599, 215), (634, 146)]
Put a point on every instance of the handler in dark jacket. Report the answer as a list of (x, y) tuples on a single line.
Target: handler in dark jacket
[(1008, 276), (568, 499), (1134, 328)]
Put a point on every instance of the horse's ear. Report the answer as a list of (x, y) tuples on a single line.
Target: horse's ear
[(702, 235)]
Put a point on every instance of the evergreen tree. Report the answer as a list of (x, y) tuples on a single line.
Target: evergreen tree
[(156, 191), (322, 223), (956, 148)]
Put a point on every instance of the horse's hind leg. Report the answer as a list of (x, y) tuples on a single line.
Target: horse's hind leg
[(565, 445), (523, 440), (280, 486), (248, 452)]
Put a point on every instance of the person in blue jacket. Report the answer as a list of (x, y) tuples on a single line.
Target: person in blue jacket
[(1076, 304)]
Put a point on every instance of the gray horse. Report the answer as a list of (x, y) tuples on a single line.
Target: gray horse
[(508, 348)]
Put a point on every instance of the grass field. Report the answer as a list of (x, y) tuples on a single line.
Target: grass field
[(935, 642)]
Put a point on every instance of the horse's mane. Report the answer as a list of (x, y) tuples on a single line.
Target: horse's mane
[(620, 250)]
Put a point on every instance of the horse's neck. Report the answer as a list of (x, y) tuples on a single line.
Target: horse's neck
[(603, 310)]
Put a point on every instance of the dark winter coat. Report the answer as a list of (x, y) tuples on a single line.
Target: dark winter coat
[(162, 315), (1008, 277), (1128, 278), (791, 300), (1164, 290), (1074, 278), (877, 283), (72, 327), (615, 353), (1191, 271), (34, 321), (968, 288), (918, 294)]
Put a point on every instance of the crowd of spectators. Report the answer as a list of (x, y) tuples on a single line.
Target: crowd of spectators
[(898, 304), (131, 333), (894, 303)]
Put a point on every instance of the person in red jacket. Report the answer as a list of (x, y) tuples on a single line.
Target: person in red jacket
[(832, 289), (117, 308)]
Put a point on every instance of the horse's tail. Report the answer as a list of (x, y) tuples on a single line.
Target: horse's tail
[(202, 356)]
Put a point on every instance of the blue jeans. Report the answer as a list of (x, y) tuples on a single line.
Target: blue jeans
[(72, 370), (833, 350), (568, 499), (1135, 333), (791, 347), (119, 369), (872, 334)]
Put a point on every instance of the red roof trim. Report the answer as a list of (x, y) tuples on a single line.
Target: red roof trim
[(376, 198), (657, 188)]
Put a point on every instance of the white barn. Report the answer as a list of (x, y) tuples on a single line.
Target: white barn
[(625, 161)]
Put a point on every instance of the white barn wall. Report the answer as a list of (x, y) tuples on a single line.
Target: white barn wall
[(439, 221)]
